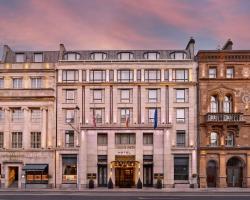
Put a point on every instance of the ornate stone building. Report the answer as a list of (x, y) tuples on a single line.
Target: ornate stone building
[(224, 97), (27, 118)]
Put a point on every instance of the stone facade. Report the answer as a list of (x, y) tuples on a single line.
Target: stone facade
[(224, 117)]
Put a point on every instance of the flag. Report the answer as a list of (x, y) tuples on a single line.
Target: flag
[(127, 120), (94, 121), (155, 118)]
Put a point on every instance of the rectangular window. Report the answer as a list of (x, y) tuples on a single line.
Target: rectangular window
[(166, 75), (230, 72), (111, 75), (1, 82), (180, 115), (17, 139), (125, 138), (147, 138), (126, 95), (17, 115), (1, 115), (151, 114), (102, 139), (180, 75), (1, 140), (98, 95), (97, 76), (35, 139), (125, 114), (98, 114), (153, 95), (152, 55), (125, 75), (69, 138), (19, 57), (38, 57), (138, 75), (152, 75), (17, 83), (212, 72), (70, 116), (70, 96), (83, 75), (36, 82), (180, 138), (69, 168), (181, 168), (181, 95), (36, 115), (70, 76)]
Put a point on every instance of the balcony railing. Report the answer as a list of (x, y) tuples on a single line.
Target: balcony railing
[(224, 117)]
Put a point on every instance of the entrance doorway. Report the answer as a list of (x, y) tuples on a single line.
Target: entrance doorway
[(124, 177), (234, 172), (211, 173), (102, 175), (13, 177), (148, 175)]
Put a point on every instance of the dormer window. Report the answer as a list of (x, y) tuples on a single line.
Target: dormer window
[(178, 56), (38, 57), (71, 56), (125, 56), (152, 55), (98, 56), (20, 57)]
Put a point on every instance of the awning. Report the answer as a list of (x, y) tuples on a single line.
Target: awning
[(35, 167)]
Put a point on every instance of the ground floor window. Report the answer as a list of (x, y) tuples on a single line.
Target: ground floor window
[(148, 170), (181, 168), (36, 173), (69, 168)]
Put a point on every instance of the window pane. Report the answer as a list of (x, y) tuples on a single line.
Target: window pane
[(230, 72), (70, 116), (152, 95), (98, 96), (212, 72), (70, 96), (36, 82), (38, 57), (180, 115), (19, 57), (180, 138), (125, 95), (181, 168), (180, 95)]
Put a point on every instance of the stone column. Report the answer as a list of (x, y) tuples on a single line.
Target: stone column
[(87, 75), (135, 75), (248, 170), (168, 160), (7, 131), (223, 176), (80, 75), (194, 167), (115, 75), (142, 75), (44, 127), (82, 157), (59, 76), (203, 167), (139, 156), (26, 128), (107, 75), (51, 128)]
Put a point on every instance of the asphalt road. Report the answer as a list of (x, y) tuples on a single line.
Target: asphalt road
[(122, 196)]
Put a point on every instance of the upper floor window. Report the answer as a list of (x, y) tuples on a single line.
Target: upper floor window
[(178, 55), (180, 75), (17, 83), (36, 115), (71, 56), (227, 104), (214, 104), (20, 57), (1, 115), (35, 139), (102, 139), (17, 140), (98, 115), (36, 82), (230, 72), (147, 138), (98, 56), (1, 82), (70, 116), (97, 75), (230, 139), (151, 55), (125, 56), (126, 115), (153, 95), (166, 75), (125, 75), (70, 76), (17, 114), (151, 114), (181, 95), (180, 138), (152, 75), (214, 139), (212, 72), (180, 115), (70, 96), (38, 57), (69, 138), (98, 95), (1, 140), (124, 138), (126, 95)]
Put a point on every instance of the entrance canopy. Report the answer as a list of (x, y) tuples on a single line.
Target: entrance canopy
[(130, 163), (35, 167)]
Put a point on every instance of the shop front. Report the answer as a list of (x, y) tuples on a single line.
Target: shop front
[(69, 169)]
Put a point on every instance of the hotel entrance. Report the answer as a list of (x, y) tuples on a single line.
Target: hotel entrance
[(125, 171), (13, 177)]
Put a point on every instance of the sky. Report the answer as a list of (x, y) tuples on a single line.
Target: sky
[(123, 24)]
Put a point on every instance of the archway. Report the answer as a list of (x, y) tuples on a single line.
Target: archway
[(234, 172), (211, 173)]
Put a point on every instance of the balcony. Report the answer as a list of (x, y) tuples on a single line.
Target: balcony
[(224, 117)]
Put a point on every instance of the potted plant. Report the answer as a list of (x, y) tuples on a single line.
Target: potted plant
[(139, 184), (159, 183), (110, 184), (91, 184)]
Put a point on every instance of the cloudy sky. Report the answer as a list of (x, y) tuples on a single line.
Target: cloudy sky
[(123, 24)]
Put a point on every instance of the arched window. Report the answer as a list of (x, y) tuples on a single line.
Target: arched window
[(230, 139), (151, 55), (214, 139), (214, 105), (71, 56), (178, 55), (125, 56), (227, 104), (98, 56)]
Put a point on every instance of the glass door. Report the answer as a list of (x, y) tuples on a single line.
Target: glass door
[(148, 175), (102, 175)]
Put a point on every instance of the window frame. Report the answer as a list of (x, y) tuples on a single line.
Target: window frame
[(228, 75), (148, 139), (16, 140), (38, 59), (18, 60), (36, 143), (69, 139), (148, 72), (212, 74), (120, 75), (102, 139), (93, 74), (180, 119), (181, 142), (185, 74), (65, 76)]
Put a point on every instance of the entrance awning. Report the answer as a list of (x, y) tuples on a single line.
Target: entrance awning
[(128, 163), (35, 167)]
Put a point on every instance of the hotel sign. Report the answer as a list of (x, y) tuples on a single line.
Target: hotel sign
[(125, 149)]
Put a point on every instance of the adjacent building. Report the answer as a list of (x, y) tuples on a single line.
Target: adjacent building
[(224, 96)]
